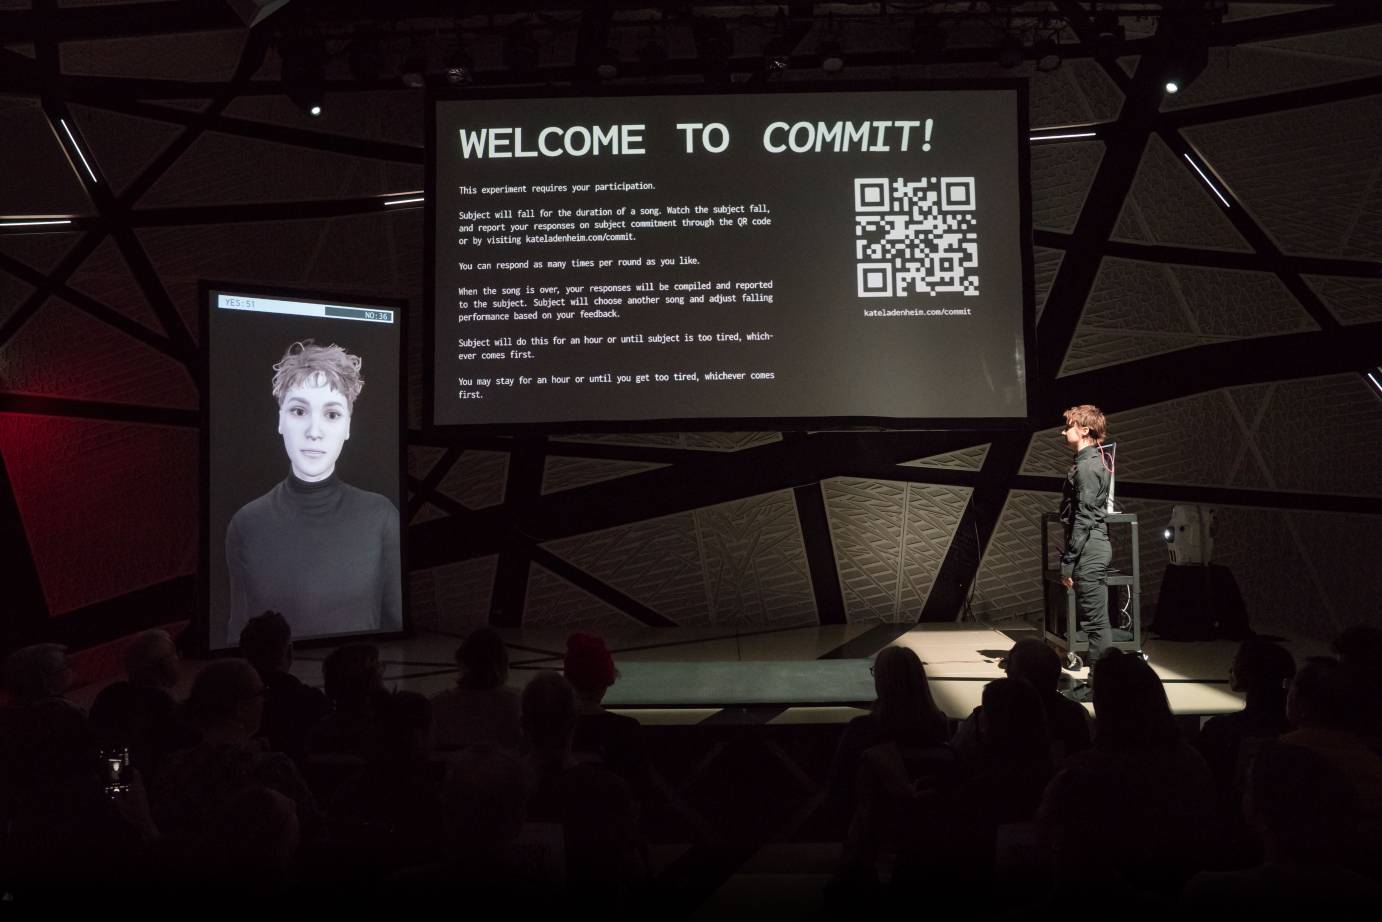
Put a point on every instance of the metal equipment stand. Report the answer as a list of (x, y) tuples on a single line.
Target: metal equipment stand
[(1060, 626)]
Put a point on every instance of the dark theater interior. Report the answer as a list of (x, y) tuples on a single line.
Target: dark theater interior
[(692, 460)]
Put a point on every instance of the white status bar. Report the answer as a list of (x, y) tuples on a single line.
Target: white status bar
[(303, 308)]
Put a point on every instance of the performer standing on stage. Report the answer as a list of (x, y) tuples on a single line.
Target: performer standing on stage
[(1083, 505)]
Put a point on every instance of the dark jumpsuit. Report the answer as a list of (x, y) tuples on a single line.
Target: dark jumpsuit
[(1084, 499)]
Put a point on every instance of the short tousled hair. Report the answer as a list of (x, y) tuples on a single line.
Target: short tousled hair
[(305, 362), (265, 638), (1090, 416), (1034, 661)]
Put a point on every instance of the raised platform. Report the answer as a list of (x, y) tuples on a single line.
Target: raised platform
[(793, 675)]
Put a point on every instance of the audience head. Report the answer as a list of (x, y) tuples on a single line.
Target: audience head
[(1130, 706), (1012, 722), (549, 712), (228, 695), (1360, 646), (151, 660), (36, 672), (1034, 662), (904, 696), (1303, 806), (484, 798), (484, 659), (267, 642), (589, 667), (1326, 694), (352, 676), (401, 731), (1261, 669)]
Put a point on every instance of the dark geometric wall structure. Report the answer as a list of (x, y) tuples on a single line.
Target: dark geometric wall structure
[(1225, 329)]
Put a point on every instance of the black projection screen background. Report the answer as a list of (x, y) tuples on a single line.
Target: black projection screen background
[(685, 261), (245, 459)]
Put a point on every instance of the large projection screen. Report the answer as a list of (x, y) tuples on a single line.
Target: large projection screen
[(715, 261), (302, 462)]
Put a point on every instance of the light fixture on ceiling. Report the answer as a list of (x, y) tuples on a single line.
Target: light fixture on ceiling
[(1108, 36), (607, 64), (460, 68), (413, 73), (301, 73), (832, 56)]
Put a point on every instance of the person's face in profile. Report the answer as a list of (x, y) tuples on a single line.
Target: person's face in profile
[(314, 421)]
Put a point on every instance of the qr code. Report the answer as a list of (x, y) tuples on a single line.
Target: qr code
[(916, 237)]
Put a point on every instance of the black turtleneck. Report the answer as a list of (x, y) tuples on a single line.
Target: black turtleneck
[(324, 554)]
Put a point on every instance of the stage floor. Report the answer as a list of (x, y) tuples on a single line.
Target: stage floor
[(799, 675)]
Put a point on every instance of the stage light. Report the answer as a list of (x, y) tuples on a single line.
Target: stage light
[(1064, 136), (777, 54), (302, 76), (1009, 51), (414, 72), (832, 57), (1375, 378), (1189, 535), (1047, 54), (78, 148), (32, 222), (1207, 181), (1109, 36), (1186, 40), (607, 64), (460, 69)]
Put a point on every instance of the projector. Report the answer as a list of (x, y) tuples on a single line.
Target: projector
[(1190, 535)]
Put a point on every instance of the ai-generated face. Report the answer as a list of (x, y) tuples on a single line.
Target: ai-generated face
[(314, 421)]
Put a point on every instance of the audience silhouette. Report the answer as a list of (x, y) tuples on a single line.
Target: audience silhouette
[(1275, 808), (481, 709)]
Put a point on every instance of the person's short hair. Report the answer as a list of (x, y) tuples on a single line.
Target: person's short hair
[(37, 671), (483, 658), (1090, 416), (307, 363), (588, 665), (1327, 693), (1130, 707), (1263, 667), (220, 689), (264, 640), (350, 673), (549, 711), (1032, 660), (151, 659), (484, 798)]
